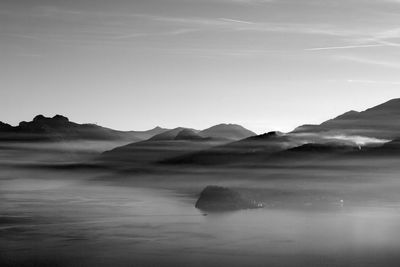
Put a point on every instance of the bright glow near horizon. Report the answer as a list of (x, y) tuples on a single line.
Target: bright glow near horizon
[(267, 65)]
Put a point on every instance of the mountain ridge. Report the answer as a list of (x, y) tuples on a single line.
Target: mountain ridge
[(378, 122), (59, 127)]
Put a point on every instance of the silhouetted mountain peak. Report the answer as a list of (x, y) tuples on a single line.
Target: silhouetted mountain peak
[(188, 134), (56, 118), (41, 122), (266, 136), (167, 135), (348, 114), (59, 127), (226, 126), (60, 118), (272, 134), (227, 131), (5, 126), (39, 118)]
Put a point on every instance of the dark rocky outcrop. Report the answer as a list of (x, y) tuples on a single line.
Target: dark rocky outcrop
[(217, 198)]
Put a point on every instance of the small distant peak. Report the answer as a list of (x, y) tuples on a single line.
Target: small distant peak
[(348, 114), (351, 112), (39, 118), (224, 125), (394, 100), (23, 123), (187, 134), (268, 135), (60, 118), (273, 134), (4, 125), (57, 117), (187, 131)]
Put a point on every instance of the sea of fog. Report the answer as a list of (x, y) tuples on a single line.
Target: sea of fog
[(54, 218)]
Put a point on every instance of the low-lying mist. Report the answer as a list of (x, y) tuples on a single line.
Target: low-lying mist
[(334, 211)]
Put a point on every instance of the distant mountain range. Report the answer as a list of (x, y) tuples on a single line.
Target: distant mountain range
[(246, 149), (228, 132), (355, 134), (370, 133), (174, 143), (60, 128)]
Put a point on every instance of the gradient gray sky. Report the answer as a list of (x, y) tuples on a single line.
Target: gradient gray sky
[(135, 64)]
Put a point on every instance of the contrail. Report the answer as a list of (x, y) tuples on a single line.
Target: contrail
[(344, 47), (237, 21)]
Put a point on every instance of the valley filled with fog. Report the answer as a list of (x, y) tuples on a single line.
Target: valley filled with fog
[(332, 213)]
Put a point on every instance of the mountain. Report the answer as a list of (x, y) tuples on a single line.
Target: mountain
[(245, 150), (171, 144), (144, 135), (154, 150), (4, 127), (310, 153), (60, 128), (382, 122), (227, 131), (188, 134), (171, 134)]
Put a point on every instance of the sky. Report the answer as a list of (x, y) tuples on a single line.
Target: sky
[(136, 64)]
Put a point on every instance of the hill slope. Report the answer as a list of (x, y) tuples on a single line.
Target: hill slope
[(246, 150), (382, 121)]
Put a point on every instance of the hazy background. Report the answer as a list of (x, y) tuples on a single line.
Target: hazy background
[(194, 63)]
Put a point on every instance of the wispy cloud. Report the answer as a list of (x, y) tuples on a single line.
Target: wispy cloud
[(344, 47), (116, 28), (365, 60), (237, 21), (242, 25), (165, 33), (374, 82), (358, 140)]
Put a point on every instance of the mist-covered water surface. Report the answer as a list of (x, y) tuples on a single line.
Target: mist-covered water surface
[(57, 221)]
